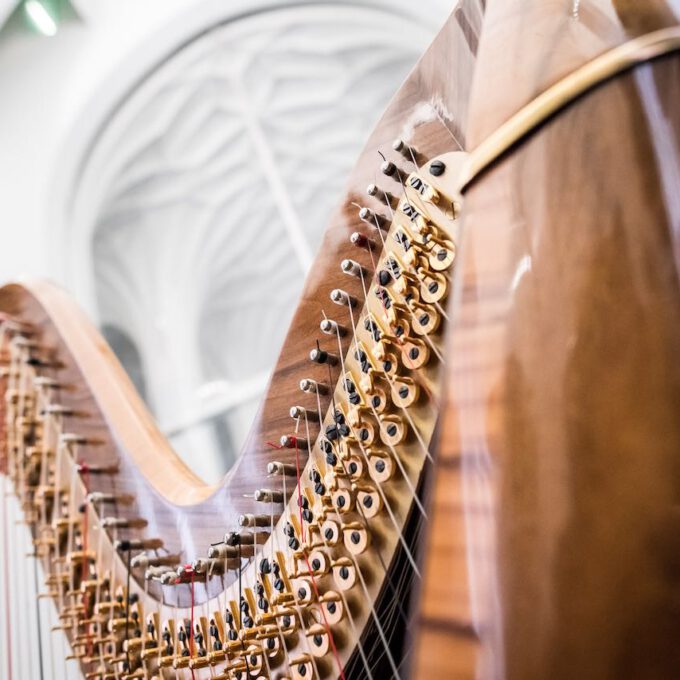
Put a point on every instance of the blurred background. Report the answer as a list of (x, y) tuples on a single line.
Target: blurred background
[(173, 164)]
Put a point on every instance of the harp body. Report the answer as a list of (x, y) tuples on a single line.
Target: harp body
[(540, 377), (552, 546)]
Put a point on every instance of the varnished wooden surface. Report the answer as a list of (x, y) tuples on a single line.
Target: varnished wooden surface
[(554, 531), (528, 45)]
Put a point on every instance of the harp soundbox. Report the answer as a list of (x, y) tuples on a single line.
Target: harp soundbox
[(468, 446)]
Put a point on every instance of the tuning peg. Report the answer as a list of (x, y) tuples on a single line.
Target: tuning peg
[(372, 219), (155, 573), (289, 441), (361, 241), (341, 297), (86, 468), (268, 496), (330, 327), (352, 268), (278, 469), (124, 523), (384, 196), (297, 412), (391, 170), (408, 152), (257, 521), (312, 386), (99, 498), (320, 356), (146, 561), (40, 381), (138, 544)]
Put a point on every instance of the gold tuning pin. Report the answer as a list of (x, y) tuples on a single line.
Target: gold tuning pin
[(414, 353), (424, 189), (442, 254), (50, 594), (425, 321), (301, 667), (368, 499), (433, 286), (79, 556), (356, 537), (405, 391), (319, 643), (381, 466), (333, 606), (393, 430), (107, 607), (344, 573)]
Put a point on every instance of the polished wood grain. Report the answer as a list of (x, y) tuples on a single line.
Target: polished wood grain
[(553, 549), (528, 45)]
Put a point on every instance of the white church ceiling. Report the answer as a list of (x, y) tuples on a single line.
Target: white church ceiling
[(218, 175)]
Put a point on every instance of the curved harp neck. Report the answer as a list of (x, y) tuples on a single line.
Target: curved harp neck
[(529, 45)]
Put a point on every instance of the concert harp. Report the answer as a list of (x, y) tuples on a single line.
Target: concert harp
[(470, 452)]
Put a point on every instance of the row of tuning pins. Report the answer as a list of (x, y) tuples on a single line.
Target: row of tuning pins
[(60, 540), (248, 629), (396, 172), (234, 641), (332, 531), (416, 352), (340, 297)]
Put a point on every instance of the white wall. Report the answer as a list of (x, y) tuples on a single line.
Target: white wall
[(55, 92), (49, 87)]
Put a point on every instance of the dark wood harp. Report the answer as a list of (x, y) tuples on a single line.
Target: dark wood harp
[(537, 148)]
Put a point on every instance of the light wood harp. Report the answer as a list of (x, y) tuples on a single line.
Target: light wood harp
[(467, 461)]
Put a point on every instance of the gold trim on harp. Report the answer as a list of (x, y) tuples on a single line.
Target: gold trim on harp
[(561, 94)]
